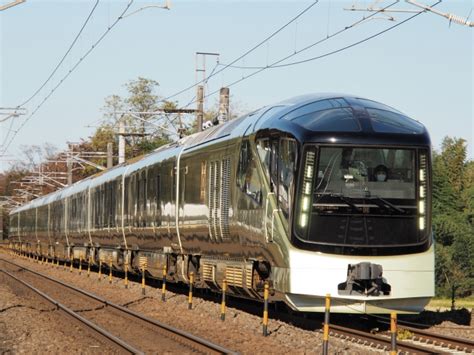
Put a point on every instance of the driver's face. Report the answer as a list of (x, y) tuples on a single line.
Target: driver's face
[(381, 176)]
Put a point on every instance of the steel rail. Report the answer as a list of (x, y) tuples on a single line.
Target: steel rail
[(201, 341), (108, 336), (437, 339), (376, 340)]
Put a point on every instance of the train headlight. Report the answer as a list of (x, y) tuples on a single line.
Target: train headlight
[(305, 204), (422, 201), (421, 207), (306, 190), (422, 192), (422, 223), (303, 220)]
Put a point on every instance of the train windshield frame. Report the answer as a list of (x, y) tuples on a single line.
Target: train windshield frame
[(363, 199)]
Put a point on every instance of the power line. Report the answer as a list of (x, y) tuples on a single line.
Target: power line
[(64, 56), (246, 53), (96, 43), (324, 39), (326, 54)]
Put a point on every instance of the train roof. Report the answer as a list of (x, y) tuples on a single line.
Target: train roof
[(318, 112)]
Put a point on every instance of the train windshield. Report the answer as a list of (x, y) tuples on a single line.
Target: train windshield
[(361, 197), (365, 173)]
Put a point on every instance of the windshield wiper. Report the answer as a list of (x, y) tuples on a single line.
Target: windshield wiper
[(384, 203), (343, 198)]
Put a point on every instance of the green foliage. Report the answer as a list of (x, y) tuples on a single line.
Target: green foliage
[(453, 211), (142, 96), (147, 146)]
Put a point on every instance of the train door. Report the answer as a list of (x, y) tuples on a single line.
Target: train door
[(167, 197), (180, 198)]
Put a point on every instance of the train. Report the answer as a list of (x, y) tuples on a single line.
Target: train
[(321, 194)]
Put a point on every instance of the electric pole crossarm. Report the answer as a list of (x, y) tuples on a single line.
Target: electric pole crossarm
[(152, 123), (14, 3), (452, 18), (372, 9), (97, 166)]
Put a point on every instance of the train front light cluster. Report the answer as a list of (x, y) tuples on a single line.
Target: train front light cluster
[(422, 198), (305, 204)]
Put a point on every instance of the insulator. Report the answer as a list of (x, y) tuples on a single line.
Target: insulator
[(459, 20)]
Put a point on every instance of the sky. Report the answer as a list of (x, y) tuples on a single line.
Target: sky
[(423, 67)]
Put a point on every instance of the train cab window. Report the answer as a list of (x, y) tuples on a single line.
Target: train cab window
[(317, 106), (287, 164), (331, 120), (392, 122), (274, 166), (247, 174), (267, 150), (264, 153), (332, 115)]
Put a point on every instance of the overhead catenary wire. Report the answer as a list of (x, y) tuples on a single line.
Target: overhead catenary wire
[(323, 55), (6, 144), (322, 40), (301, 13), (64, 56), (276, 64)]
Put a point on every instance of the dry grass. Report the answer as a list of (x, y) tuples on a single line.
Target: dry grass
[(467, 302)]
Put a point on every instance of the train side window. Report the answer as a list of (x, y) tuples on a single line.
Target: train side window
[(143, 206), (287, 165), (137, 199), (247, 173), (157, 219)]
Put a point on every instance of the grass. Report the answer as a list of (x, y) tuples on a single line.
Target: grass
[(437, 302)]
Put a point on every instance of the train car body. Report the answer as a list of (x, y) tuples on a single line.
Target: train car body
[(319, 194)]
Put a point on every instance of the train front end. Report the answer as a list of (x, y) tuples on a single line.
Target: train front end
[(361, 227)]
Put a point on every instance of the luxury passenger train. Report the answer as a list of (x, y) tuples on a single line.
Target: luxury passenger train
[(319, 194)]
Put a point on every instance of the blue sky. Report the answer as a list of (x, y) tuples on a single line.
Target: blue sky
[(423, 68)]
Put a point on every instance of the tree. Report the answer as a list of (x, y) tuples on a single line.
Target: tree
[(141, 102), (453, 209)]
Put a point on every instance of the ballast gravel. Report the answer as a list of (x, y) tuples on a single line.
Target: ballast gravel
[(30, 325), (241, 331)]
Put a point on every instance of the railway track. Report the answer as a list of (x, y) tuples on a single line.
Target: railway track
[(128, 331), (375, 341), (418, 341), (440, 341)]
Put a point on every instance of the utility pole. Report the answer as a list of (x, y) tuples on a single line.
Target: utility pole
[(200, 107), (201, 68), (110, 155), (1, 222), (69, 170), (224, 105), (121, 135), (69, 163)]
